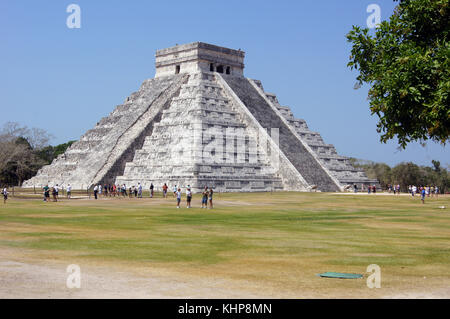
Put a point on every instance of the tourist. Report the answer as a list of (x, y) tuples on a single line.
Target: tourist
[(178, 193), (46, 193), (369, 189), (374, 189), (130, 192), (151, 190), (99, 189), (55, 193), (188, 197), (211, 198), (164, 188), (205, 198), (56, 188), (175, 191), (398, 189), (355, 188), (436, 191), (135, 190), (139, 190), (95, 191), (69, 191), (5, 194), (423, 192), (105, 193)]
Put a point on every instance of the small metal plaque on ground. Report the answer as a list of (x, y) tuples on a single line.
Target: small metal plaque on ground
[(340, 275)]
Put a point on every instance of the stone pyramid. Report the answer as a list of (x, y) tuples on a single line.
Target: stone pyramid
[(200, 122)]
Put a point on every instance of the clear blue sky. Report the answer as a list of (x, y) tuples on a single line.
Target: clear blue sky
[(64, 80)]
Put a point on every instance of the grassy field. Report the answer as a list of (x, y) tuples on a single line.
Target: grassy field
[(265, 244)]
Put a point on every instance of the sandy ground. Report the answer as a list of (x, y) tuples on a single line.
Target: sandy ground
[(23, 276), (30, 278)]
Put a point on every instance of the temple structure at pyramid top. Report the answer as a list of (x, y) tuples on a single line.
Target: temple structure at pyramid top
[(199, 57), (200, 122)]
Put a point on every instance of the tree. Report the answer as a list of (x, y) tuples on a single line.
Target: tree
[(436, 166), (49, 153), (407, 174), (378, 171), (24, 151), (406, 63), (19, 147)]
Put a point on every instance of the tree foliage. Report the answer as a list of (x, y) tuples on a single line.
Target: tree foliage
[(23, 151), (406, 63)]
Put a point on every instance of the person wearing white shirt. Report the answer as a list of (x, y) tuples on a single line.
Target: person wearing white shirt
[(95, 191), (178, 193), (139, 190), (69, 191)]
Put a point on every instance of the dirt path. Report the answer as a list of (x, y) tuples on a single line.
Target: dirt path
[(23, 277)]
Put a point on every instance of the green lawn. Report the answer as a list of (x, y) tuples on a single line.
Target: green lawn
[(279, 241)]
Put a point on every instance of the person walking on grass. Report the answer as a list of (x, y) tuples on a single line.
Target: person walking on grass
[(164, 188), (188, 197), (5, 194), (151, 190), (95, 191), (56, 188), (423, 193), (69, 191), (175, 191), (139, 190), (178, 193), (46, 193), (211, 192), (55, 193), (205, 198)]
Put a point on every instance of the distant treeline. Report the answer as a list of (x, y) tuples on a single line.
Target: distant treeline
[(406, 173)]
